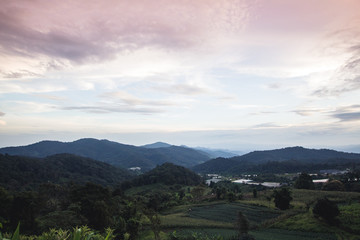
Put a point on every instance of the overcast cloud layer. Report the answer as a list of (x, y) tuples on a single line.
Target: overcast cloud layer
[(219, 73)]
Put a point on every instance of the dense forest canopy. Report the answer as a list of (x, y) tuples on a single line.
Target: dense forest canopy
[(18, 172)]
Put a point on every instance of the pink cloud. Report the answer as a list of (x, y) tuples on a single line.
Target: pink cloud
[(302, 16), (95, 30)]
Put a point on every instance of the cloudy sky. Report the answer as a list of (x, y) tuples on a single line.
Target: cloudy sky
[(234, 74)]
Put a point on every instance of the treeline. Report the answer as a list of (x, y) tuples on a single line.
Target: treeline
[(293, 166), (349, 181)]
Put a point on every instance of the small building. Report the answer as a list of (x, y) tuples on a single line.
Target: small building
[(321, 180), (213, 176), (135, 169), (333, 171), (214, 180), (245, 181), (271, 184)]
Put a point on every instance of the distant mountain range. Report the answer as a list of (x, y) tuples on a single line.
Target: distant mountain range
[(211, 153), (215, 153), (157, 145), (121, 155), (349, 148), (286, 159), (201, 160), (25, 173)]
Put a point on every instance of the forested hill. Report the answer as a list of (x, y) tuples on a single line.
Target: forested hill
[(114, 153), (297, 153), (168, 174), (21, 173), (217, 165), (286, 159)]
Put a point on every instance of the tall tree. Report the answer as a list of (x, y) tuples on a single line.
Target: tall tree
[(242, 226), (304, 181), (282, 198)]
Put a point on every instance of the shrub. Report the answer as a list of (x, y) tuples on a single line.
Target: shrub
[(326, 209), (282, 198), (333, 185)]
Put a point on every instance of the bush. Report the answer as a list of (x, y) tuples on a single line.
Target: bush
[(326, 209), (333, 185), (282, 198)]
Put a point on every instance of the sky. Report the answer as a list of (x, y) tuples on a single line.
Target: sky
[(230, 74)]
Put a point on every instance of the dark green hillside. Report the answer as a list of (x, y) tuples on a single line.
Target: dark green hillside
[(168, 174), (40, 149), (114, 153), (292, 159), (297, 153), (181, 156), (217, 165), (18, 172)]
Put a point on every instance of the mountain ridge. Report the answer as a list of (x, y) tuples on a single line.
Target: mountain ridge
[(114, 153), (157, 145), (297, 154)]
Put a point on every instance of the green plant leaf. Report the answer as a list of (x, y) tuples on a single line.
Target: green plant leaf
[(108, 236), (89, 236), (77, 234), (16, 235)]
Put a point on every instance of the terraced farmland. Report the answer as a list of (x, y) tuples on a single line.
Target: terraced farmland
[(227, 212), (217, 219), (217, 215)]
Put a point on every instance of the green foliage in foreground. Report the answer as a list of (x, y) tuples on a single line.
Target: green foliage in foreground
[(83, 233), (164, 212)]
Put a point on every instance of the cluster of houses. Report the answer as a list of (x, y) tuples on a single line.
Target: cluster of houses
[(327, 172), (217, 178), (265, 184)]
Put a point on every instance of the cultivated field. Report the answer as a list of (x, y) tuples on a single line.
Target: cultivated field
[(266, 222)]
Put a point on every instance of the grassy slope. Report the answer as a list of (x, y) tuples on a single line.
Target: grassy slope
[(305, 221), (297, 223), (215, 215), (301, 197), (281, 234)]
